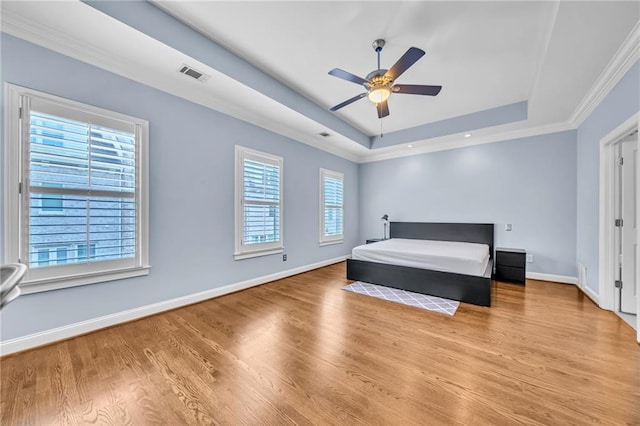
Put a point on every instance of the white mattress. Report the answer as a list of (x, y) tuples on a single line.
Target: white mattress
[(445, 256)]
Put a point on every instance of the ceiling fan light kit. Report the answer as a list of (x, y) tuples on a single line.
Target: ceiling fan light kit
[(379, 84), (379, 94)]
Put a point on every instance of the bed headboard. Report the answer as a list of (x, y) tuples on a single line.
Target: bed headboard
[(481, 233)]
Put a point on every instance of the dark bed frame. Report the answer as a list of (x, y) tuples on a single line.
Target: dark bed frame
[(465, 288)]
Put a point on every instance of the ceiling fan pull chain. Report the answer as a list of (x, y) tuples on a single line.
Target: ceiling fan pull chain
[(381, 135)]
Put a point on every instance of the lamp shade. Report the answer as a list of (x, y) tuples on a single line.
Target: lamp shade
[(379, 94)]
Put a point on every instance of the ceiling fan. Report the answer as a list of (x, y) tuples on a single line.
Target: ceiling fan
[(380, 83)]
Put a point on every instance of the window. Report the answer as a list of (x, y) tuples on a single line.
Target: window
[(76, 178), (258, 204), (48, 255), (51, 203), (61, 255), (331, 207), (82, 252), (43, 257)]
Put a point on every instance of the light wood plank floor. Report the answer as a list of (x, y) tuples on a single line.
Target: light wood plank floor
[(302, 351)]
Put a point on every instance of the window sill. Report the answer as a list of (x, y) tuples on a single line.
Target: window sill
[(37, 286), (330, 243), (249, 255)]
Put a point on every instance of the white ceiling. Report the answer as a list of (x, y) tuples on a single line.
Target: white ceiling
[(484, 54)]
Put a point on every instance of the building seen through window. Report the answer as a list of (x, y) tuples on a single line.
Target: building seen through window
[(82, 177)]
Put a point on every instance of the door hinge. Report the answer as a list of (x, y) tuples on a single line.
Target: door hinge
[(20, 113), (620, 161), (19, 187), (619, 223), (618, 283)]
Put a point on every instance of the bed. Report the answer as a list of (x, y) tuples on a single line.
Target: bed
[(458, 277)]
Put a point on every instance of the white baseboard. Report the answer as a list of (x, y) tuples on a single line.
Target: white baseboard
[(551, 277), (590, 294), (65, 332), (566, 280)]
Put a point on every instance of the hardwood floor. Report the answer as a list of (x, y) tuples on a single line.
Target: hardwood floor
[(302, 351)]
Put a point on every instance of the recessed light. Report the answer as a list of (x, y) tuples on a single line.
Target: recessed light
[(409, 146), (467, 135)]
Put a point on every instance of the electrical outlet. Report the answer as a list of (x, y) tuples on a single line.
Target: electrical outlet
[(507, 227), (529, 258), (284, 257)]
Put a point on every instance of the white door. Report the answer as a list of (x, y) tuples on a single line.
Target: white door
[(628, 207)]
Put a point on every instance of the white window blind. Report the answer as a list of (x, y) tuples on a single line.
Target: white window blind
[(81, 211), (86, 175), (259, 203), (331, 206)]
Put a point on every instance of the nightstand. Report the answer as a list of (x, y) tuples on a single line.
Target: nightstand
[(373, 240), (511, 265)]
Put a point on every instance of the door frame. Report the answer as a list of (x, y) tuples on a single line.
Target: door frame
[(606, 257)]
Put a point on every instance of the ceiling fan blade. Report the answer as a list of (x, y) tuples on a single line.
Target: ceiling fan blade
[(383, 109), (416, 89), (348, 101), (409, 58), (337, 72)]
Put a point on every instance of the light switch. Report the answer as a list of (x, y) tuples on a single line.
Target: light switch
[(507, 227)]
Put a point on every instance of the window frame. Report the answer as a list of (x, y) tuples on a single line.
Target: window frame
[(242, 251), (324, 239), (17, 105)]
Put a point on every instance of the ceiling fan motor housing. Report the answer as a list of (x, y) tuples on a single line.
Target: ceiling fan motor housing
[(378, 45)]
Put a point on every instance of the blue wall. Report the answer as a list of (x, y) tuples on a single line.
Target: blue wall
[(620, 104), (191, 194), (529, 183), (546, 186)]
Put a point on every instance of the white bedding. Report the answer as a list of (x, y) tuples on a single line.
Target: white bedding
[(445, 256)]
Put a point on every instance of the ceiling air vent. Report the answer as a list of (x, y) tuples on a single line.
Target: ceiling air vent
[(192, 72)]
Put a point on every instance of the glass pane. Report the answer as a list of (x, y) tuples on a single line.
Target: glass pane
[(112, 228), (261, 181), (261, 224), (112, 160), (332, 206), (332, 221), (332, 191), (67, 154), (107, 224), (71, 154)]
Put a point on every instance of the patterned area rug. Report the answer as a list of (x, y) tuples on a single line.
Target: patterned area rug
[(422, 301)]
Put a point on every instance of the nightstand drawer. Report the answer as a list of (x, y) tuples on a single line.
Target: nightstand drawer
[(509, 258), (510, 274)]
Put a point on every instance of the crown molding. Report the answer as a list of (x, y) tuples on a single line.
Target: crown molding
[(625, 57), (58, 41), (447, 142), (50, 38)]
